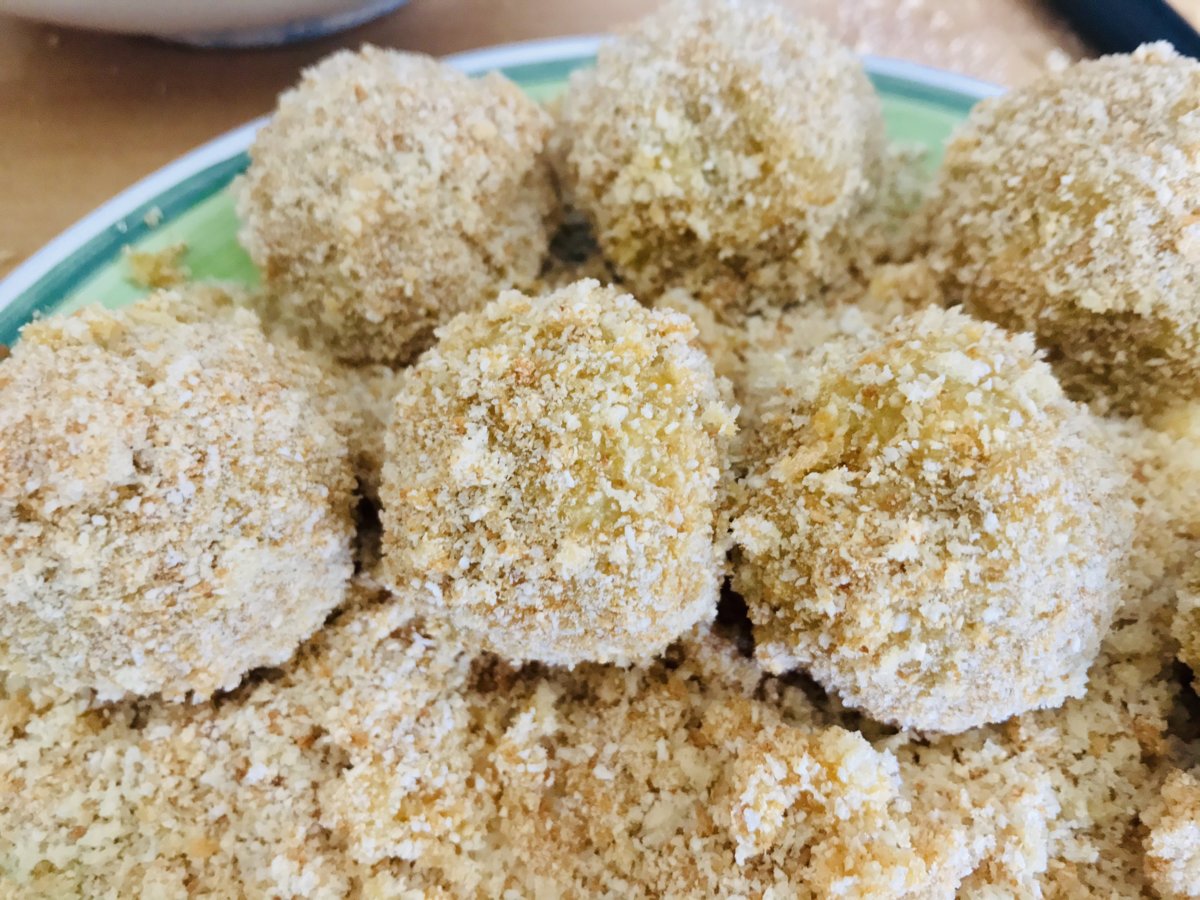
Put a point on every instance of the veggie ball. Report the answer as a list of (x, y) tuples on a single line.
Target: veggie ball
[(390, 192), (551, 477), (725, 148), (1068, 208), (173, 510), (930, 528)]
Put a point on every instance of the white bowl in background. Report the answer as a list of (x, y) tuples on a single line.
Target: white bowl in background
[(208, 23)]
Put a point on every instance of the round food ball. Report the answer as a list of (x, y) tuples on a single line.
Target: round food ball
[(724, 148), (930, 528), (173, 510), (1067, 208), (551, 477), (390, 192)]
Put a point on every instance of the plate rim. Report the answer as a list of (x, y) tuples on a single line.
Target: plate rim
[(114, 212)]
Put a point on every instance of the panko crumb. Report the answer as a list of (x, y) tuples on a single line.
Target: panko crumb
[(760, 353), (1173, 844), (1049, 803), (355, 399), (174, 508), (217, 799), (389, 192), (666, 784), (1065, 208), (163, 268), (551, 477), (385, 759), (690, 181), (929, 527)]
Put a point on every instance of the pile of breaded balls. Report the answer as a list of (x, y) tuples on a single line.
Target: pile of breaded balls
[(658, 493)]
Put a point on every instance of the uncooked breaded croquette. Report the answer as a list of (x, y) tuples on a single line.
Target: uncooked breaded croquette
[(175, 510), (725, 148), (759, 354), (1174, 469), (1173, 842), (1066, 208), (390, 192), (1186, 626), (551, 477), (930, 528), (355, 399), (1050, 803)]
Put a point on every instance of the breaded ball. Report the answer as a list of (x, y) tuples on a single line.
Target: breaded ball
[(725, 148), (390, 192), (173, 509), (1067, 208), (1172, 843), (551, 477), (930, 528), (1186, 627)]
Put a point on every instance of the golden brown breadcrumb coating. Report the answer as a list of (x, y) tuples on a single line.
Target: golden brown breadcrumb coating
[(174, 509), (929, 527), (390, 192), (726, 148), (1067, 208), (551, 477), (1173, 844)]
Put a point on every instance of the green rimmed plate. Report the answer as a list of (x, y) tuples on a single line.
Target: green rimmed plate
[(188, 201)]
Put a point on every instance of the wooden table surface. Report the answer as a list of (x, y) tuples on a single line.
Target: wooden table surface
[(84, 115)]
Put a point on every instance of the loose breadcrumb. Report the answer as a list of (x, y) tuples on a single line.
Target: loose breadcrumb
[(386, 759), (929, 527), (158, 268), (1066, 208), (551, 477), (217, 799), (390, 192), (667, 783), (174, 510), (694, 180), (1173, 844)]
